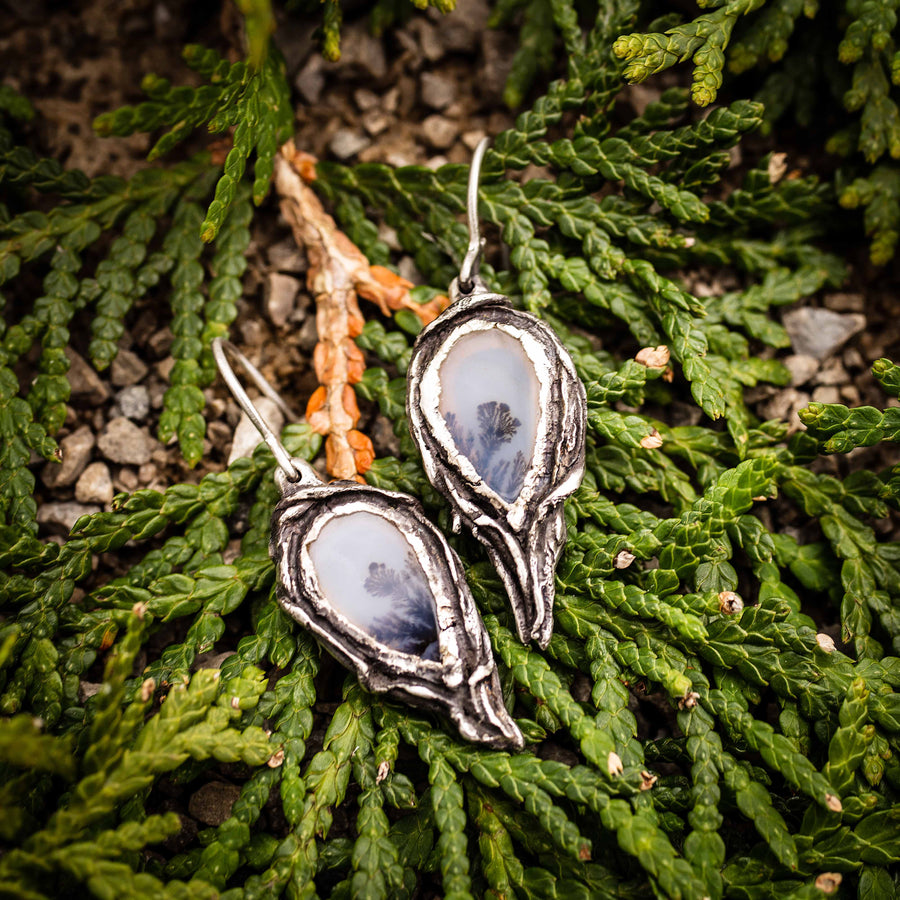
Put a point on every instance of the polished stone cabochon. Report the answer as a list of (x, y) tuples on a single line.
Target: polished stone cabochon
[(368, 572), (490, 402)]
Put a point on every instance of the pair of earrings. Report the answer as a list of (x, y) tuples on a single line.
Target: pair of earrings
[(498, 413)]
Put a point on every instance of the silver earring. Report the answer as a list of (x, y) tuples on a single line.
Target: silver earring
[(378, 586), (498, 413)]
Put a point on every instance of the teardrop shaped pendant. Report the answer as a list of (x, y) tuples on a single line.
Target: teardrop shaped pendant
[(498, 413), (377, 584)]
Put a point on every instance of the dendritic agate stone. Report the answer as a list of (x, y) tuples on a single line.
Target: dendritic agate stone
[(367, 571), (490, 402)]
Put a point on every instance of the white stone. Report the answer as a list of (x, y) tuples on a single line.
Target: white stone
[(490, 400), (439, 131), (801, 367), (367, 571), (76, 451), (820, 332), (133, 402), (438, 91), (65, 515), (127, 368), (247, 437), (95, 484), (123, 442), (281, 293), (346, 143)]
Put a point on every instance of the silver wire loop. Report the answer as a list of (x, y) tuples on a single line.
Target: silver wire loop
[(471, 263), (221, 349)]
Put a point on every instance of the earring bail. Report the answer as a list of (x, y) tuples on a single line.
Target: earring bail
[(468, 272), (292, 471)]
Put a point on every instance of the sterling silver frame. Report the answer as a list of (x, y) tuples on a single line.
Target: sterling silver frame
[(524, 538), (464, 684)]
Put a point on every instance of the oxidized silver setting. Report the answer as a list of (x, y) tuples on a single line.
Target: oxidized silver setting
[(462, 682), (524, 536)]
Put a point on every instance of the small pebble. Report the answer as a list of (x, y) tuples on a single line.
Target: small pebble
[(95, 485), (127, 368), (375, 122), (147, 473), (246, 435), (286, 256), (308, 336), (640, 96), (213, 659), (133, 402), (127, 480), (220, 434), (360, 48), (123, 442), (429, 39), (497, 52), (406, 267), (161, 342), (213, 802), (391, 100), (281, 293), (801, 367), (785, 405), (156, 391), (87, 689), (820, 332), (832, 372), (844, 302), (826, 394), (64, 515), (473, 138), (439, 132), (76, 453), (85, 384), (438, 91), (365, 99), (310, 80), (853, 359), (459, 33), (164, 367), (347, 142)]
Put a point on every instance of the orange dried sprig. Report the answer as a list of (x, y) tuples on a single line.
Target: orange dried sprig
[(338, 275)]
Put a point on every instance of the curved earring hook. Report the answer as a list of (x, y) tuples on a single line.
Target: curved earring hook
[(221, 349), (471, 263)]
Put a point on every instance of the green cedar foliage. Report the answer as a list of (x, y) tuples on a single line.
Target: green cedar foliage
[(813, 52), (775, 767)]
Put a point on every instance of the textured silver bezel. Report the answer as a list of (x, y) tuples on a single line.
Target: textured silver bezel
[(464, 684), (525, 538)]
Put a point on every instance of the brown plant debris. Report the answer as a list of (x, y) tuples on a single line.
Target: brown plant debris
[(338, 275)]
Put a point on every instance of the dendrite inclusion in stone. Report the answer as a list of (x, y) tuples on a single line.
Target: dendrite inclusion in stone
[(367, 571), (490, 401)]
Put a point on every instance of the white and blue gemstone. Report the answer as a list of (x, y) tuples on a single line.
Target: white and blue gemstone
[(367, 571), (490, 401)]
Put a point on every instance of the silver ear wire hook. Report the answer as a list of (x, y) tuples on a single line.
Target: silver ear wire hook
[(289, 467), (471, 263)]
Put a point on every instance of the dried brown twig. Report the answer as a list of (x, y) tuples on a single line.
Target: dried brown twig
[(338, 275)]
